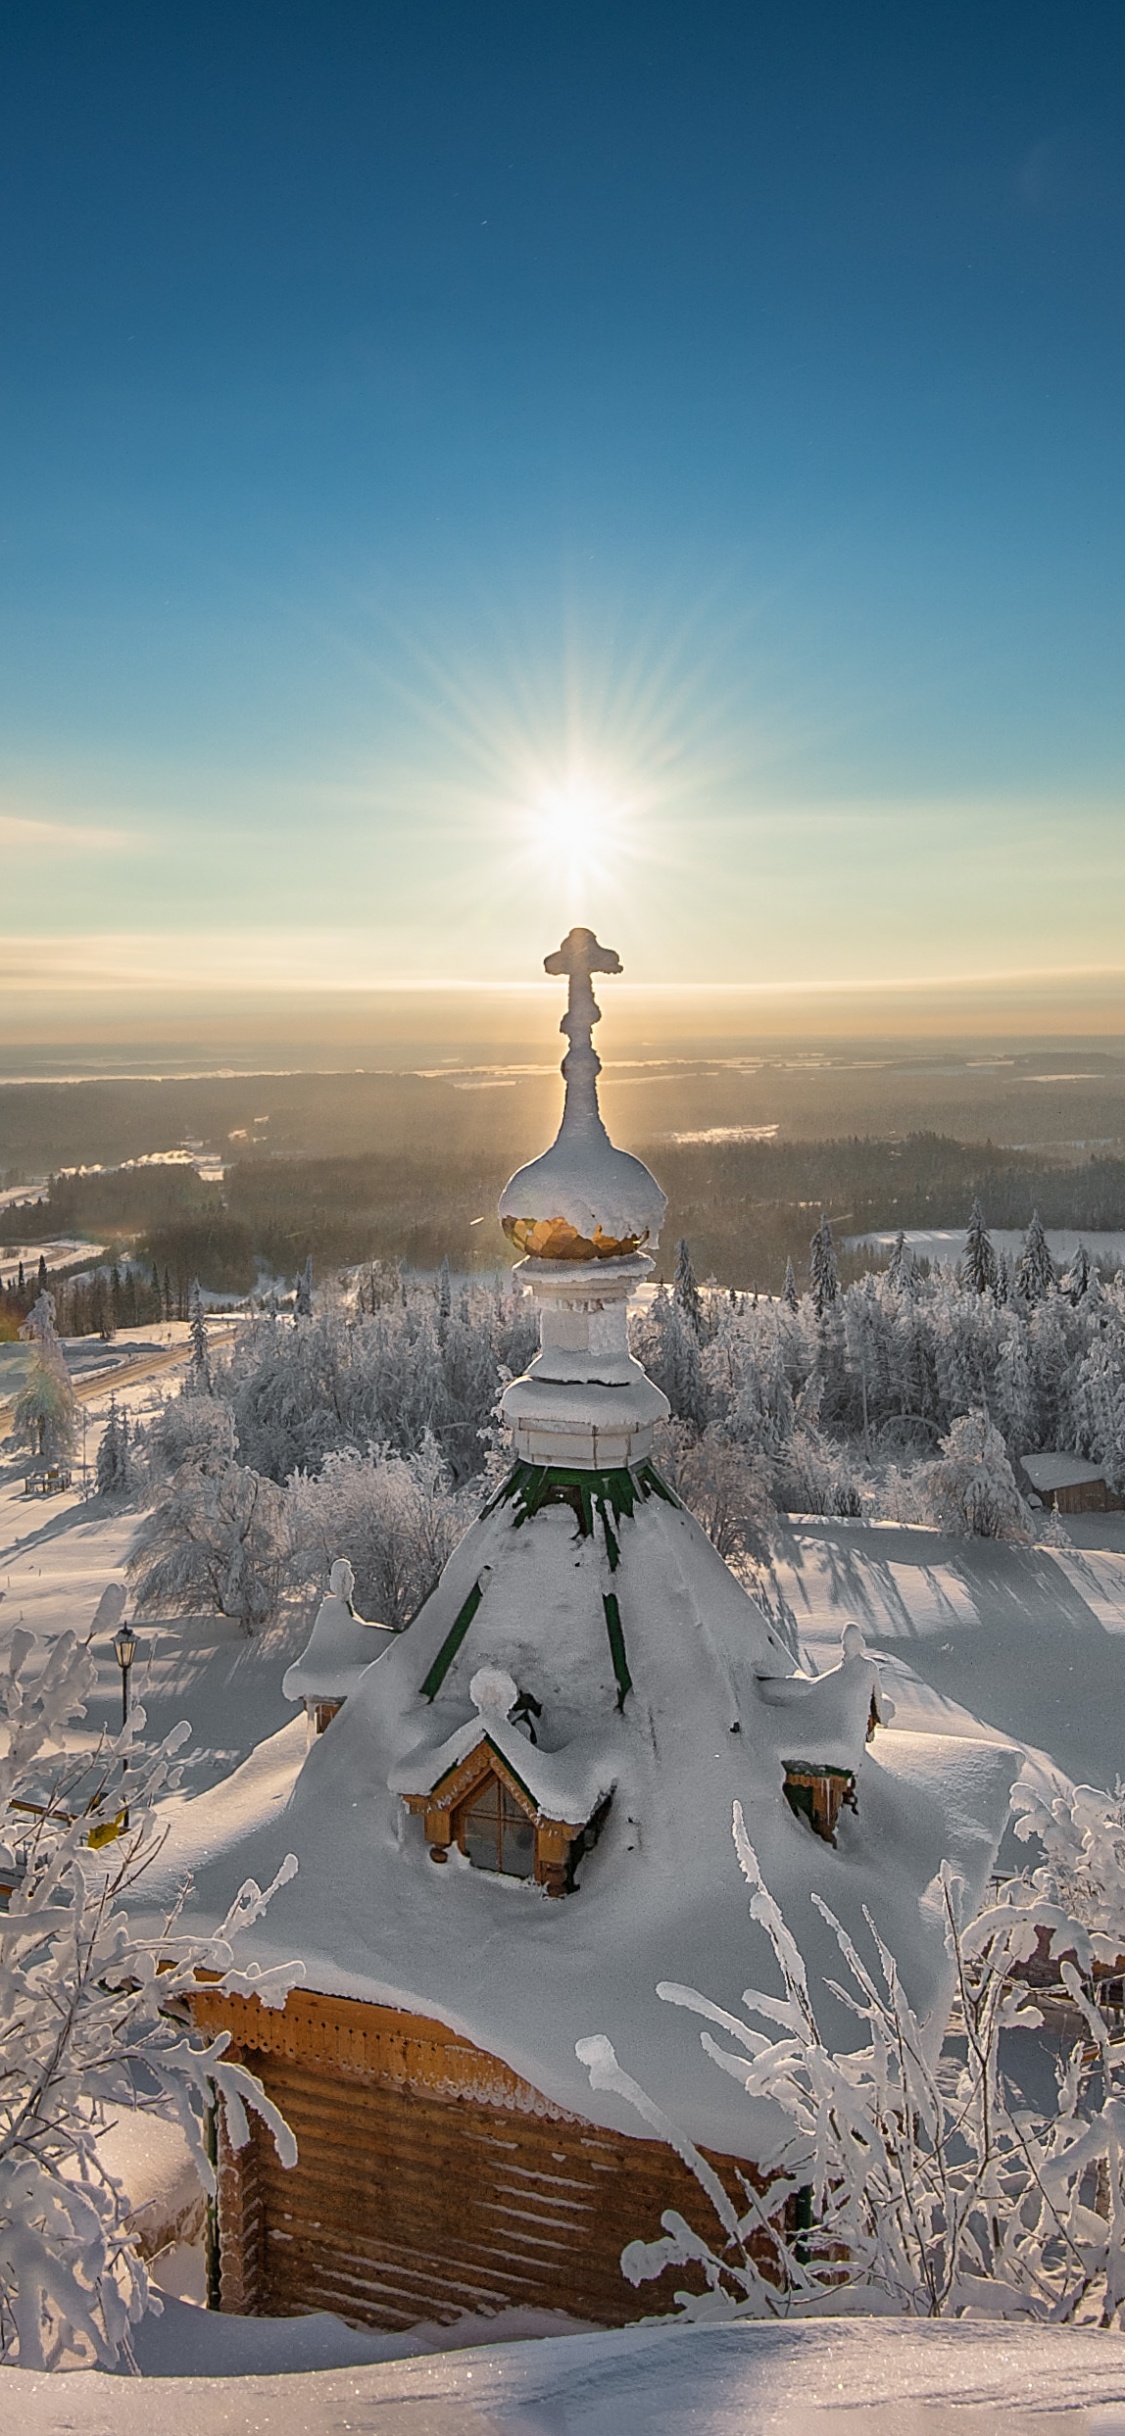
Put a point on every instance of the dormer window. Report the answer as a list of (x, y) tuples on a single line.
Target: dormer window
[(494, 1795), (817, 1794), (495, 1830)]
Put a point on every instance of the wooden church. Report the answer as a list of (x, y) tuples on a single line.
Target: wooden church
[(513, 1820)]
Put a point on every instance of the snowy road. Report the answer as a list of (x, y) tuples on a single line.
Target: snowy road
[(882, 2377)]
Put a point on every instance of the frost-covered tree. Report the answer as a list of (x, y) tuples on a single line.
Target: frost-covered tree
[(973, 1489), (685, 1290), (91, 2019), (352, 1379), (900, 1267), (668, 1346), (396, 1518), (45, 1417), (1076, 1283), (113, 1470), (218, 1536), (199, 1382), (444, 1298), (978, 1271), (727, 1488), (789, 1289), (896, 2184), (1035, 1269), (824, 1275), (303, 1299)]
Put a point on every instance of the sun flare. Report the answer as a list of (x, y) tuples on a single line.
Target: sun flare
[(581, 827)]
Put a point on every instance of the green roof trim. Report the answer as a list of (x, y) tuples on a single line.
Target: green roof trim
[(431, 1687), (529, 1486), (621, 1672)]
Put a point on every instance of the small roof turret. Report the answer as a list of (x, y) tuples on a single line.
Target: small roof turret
[(341, 1645)]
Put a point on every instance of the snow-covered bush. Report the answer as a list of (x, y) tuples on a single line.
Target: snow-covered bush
[(395, 1517), (899, 2183), (1081, 1831), (973, 1489), (93, 2014)]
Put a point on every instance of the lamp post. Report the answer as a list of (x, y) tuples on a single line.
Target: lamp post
[(124, 1650)]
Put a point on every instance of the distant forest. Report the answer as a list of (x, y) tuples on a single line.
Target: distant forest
[(745, 1207)]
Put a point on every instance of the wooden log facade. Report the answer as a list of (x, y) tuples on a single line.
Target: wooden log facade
[(431, 2179)]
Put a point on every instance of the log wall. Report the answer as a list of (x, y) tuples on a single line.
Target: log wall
[(431, 2180)]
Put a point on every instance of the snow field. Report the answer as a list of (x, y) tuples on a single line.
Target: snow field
[(849, 2377)]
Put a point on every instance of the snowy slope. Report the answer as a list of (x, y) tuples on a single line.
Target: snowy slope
[(857, 2377), (1029, 1640)]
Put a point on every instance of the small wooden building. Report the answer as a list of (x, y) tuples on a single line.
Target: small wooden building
[(1068, 1483), (516, 1824), (431, 2180)]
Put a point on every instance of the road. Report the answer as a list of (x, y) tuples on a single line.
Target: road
[(126, 1374)]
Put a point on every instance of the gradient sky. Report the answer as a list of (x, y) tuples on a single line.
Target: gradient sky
[(469, 468)]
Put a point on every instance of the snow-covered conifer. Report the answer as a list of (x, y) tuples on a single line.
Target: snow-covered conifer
[(685, 1290), (824, 1275), (303, 1299), (111, 1468), (789, 1289), (978, 1260), (45, 1417), (900, 1267), (1077, 1280), (1035, 1269), (199, 1381)]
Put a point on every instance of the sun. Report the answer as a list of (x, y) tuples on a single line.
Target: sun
[(581, 826)]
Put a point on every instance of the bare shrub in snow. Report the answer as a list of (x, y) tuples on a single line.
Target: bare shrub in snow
[(395, 1517), (92, 2013), (973, 1489), (897, 2184)]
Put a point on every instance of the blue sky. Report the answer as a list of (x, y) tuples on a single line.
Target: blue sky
[(468, 468)]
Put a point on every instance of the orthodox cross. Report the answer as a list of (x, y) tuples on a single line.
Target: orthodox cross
[(579, 957)]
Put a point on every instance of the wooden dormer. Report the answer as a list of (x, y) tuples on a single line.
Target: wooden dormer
[(482, 1806)]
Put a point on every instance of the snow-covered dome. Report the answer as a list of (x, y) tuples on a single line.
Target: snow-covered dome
[(583, 1199)]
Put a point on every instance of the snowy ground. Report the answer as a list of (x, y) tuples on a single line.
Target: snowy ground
[(848, 2377), (1029, 1641)]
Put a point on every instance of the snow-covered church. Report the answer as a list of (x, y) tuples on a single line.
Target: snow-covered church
[(512, 1819)]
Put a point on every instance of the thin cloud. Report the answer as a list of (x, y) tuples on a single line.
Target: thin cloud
[(35, 838)]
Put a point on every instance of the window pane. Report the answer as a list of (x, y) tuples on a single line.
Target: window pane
[(496, 1832), (519, 1847)]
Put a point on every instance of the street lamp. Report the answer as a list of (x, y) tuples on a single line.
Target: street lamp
[(124, 1650)]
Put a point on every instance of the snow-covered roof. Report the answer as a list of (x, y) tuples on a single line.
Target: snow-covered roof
[(1053, 1471), (340, 1648), (714, 1710)]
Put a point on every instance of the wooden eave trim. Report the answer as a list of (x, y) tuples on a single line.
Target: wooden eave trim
[(483, 1760)]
